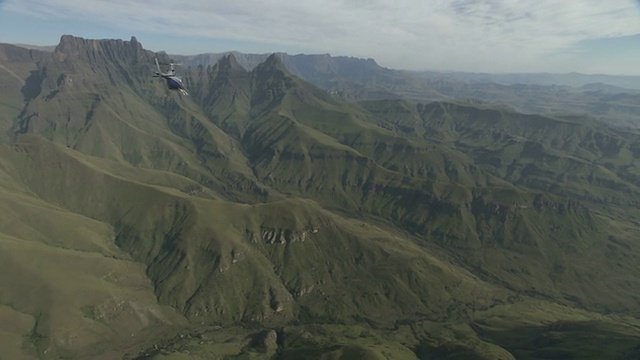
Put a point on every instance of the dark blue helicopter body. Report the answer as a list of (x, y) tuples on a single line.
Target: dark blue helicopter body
[(174, 83)]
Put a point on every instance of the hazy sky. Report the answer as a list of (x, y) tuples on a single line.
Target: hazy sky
[(589, 36)]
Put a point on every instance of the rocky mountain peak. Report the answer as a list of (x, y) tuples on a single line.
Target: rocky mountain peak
[(229, 63), (72, 46), (273, 63), (271, 80)]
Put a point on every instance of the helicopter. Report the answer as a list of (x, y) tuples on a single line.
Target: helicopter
[(173, 82)]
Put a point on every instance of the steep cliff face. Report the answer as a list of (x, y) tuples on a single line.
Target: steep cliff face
[(17, 66), (71, 47)]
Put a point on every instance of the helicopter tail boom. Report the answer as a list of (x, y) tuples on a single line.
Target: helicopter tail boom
[(159, 72)]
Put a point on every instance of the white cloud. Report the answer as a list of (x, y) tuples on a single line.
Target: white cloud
[(489, 35)]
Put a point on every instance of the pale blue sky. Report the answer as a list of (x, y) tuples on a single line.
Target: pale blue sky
[(585, 36)]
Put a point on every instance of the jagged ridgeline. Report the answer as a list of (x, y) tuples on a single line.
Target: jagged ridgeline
[(263, 217)]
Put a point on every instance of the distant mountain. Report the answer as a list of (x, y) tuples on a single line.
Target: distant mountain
[(544, 79), (305, 65), (362, 79), (347, 77), (266, 217), (606, 88), (37, 47)]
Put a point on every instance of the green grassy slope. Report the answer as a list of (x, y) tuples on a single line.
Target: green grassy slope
[(66, 288)]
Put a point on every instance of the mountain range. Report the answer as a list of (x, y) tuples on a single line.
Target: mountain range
[(613, 99), (283, 213)]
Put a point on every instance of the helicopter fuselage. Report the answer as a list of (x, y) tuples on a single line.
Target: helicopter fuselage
[(174, 83)]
